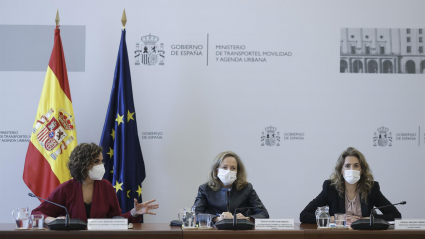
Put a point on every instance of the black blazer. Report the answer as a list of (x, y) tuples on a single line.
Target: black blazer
[(225, 200), (329, 196)]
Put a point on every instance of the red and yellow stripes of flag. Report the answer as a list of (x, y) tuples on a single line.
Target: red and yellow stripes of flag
[(54, 133)]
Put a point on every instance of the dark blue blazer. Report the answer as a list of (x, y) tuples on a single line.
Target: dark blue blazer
[(225, 200), (329, 196)]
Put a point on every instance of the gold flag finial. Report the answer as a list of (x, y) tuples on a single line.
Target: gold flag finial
[(57, 20), (123, 19)]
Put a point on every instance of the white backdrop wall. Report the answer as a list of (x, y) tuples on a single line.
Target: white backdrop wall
[(203, 109)]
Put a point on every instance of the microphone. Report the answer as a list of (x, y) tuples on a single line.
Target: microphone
[(373, 212), (66, 210), (63, 224), (400, 203), (373, 223), (235, 224)]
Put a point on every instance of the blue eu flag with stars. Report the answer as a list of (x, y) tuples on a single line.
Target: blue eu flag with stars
[(124, 166)]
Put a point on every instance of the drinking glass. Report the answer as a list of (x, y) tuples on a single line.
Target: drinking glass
[(204, 220), (37, 221), (340, 219)]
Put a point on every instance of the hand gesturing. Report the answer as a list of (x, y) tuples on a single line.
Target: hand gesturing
[(145, 207)]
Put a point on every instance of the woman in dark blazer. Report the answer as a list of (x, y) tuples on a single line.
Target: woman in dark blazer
[(227, 189), (350, 190)]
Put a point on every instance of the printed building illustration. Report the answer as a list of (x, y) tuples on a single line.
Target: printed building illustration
[(382, 50)]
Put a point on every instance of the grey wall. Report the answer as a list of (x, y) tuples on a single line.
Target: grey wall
[(28, 47), (203, 110)]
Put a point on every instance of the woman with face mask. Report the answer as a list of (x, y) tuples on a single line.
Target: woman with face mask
[(350, 190), (87, 195), (227, 189)]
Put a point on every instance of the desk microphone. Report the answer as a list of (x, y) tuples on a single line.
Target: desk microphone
[(63, 224), (373, 223), (373, 212), (235, 224), (66, 210)]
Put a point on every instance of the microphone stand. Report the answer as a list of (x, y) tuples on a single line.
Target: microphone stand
[(373, 212), (372, 217), (67, 219), (235, 221), (232, 224)]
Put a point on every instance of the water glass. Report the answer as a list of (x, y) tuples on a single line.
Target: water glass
[(204, 220), (37, 221), (340, 219)]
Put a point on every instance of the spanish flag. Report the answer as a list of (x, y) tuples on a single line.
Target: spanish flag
[(54, 133)]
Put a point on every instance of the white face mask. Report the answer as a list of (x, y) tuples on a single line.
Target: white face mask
[(352, 176), (97, 172), (227, 177)]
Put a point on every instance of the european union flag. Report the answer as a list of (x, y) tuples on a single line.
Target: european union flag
[(122, 154)]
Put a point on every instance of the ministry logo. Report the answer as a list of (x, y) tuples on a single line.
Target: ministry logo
[(271, 137), (148, 53), (383, 137)]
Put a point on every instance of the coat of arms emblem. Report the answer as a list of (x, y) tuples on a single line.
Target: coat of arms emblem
[(149, 52), (384, 138), (271, 137), (52, 131)]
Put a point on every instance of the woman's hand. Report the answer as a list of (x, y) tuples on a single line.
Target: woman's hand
[(241, 216), (144, 207), (229, 215), (352, 218), (48, 220), (224, 215)]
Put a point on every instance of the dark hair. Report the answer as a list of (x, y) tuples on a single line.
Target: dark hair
[(82, 157)]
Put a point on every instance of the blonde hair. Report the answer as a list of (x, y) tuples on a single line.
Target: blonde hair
[(215, 184), (364, 185)]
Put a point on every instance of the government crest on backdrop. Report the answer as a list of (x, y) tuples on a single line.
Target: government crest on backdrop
[(270, 137), (52, 132), (149, 52), (382, 137)]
